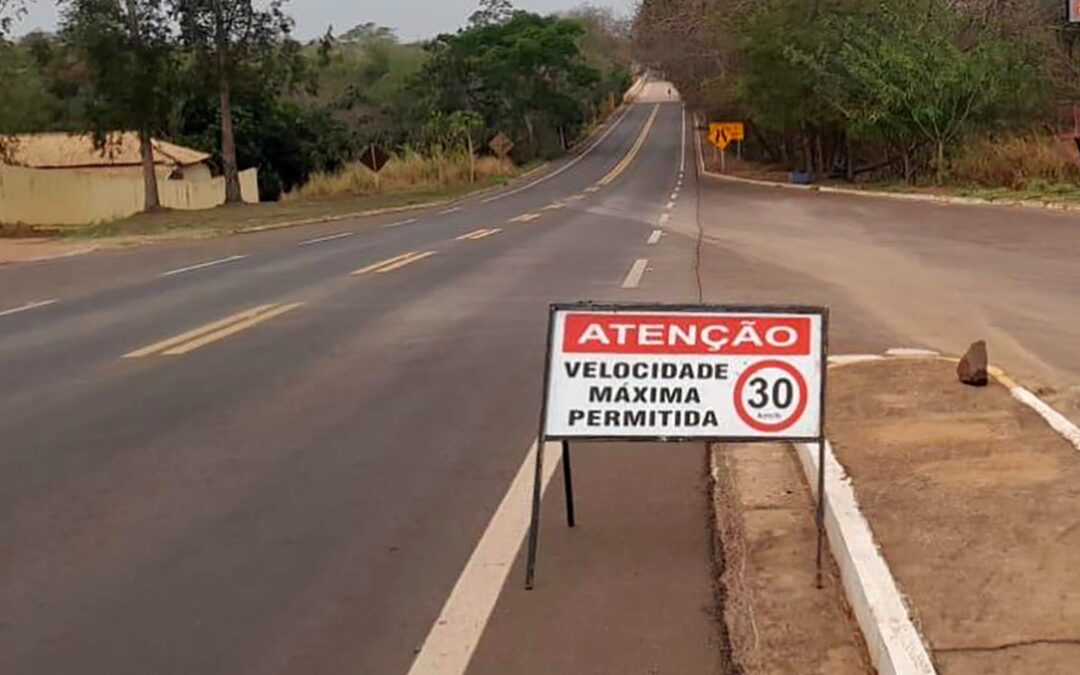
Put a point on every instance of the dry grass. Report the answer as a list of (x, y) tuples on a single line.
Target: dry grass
[(1019, 162), (408, 172)]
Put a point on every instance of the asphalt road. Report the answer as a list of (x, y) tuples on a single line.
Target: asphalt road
[(299, 494), (298, 489)]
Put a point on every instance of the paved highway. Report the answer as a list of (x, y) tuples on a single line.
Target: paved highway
[(276, 453)]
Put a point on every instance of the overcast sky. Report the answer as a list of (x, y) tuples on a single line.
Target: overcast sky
[(413, 19)]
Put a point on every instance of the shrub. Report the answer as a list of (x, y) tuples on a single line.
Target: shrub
[(409, 171), (1016, 162)]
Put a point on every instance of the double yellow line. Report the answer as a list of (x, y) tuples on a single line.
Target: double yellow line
[(391, 264), (213, 332), (630, 156), (479, 234)]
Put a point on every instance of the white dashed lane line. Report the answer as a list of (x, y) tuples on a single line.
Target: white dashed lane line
[(654, 238), (201, 266), (633, 278), (400, 223), (330, 237), (452, 209)]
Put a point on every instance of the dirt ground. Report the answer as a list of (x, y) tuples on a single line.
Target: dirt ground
[(975, 503), (33, 250), (779, 622)]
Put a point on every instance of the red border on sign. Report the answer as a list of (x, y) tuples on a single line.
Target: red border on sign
[(783, 424)]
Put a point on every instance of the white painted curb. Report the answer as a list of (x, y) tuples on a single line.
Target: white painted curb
[(1056, 420), (894, 645)]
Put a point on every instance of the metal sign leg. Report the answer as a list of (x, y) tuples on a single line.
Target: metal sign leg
[(534, 526), (568, 482), (820, 510)]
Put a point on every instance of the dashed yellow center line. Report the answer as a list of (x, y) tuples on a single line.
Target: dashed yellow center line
[(479, 234), (525, 218), (633, 153), (213, 332), (391, 264)]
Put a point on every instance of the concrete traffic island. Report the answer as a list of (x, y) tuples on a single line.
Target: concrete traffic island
[(972, 499)]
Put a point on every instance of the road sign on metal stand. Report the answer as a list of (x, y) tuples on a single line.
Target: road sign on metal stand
[(680, 373), (375, 158), (501, 145)]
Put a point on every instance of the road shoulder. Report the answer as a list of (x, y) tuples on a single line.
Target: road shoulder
[(777, 619)]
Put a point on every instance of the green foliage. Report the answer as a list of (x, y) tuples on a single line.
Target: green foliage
[(26, 97), (129, 61), (832, 84), (525, 76), (298, 110)]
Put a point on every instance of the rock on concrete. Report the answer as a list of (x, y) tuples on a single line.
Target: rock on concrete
[(973, 367)]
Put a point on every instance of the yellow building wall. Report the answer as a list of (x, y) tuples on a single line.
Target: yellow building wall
[(81, 197)]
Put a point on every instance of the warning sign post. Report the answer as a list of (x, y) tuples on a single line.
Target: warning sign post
[(680, 373)]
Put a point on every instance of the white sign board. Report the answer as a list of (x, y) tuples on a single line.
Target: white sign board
[(686, 372)]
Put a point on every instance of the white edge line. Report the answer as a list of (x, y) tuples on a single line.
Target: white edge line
[(585, 153), (682, 152), (332, 237), (192, 268), (633, 278), (456, 633), (27, 307), (654, 238), (893, 642)]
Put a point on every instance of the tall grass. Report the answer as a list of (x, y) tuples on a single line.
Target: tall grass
[(407, 172), (1016, 162)]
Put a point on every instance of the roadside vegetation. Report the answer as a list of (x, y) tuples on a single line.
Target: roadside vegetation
[(230, 79), (971, 94)]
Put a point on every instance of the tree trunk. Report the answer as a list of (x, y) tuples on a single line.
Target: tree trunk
[(849, 168), (152, 199), (909, 173), (228, 134), (940, 162), (823, 171), (146, 150), (472, 158)]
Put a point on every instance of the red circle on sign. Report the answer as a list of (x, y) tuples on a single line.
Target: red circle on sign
[(740, 407)]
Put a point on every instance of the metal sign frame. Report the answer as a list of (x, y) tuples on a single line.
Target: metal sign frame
[(543, 437)]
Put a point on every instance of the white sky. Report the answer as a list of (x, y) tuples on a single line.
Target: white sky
[(413, 19)]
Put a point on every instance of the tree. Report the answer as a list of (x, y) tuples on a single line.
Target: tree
[(491, 12), (526, 77), (229, 35), (126, 46), (10, 11), (902, 74)]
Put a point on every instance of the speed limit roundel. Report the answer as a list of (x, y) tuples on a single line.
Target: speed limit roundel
[(771, 396)]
